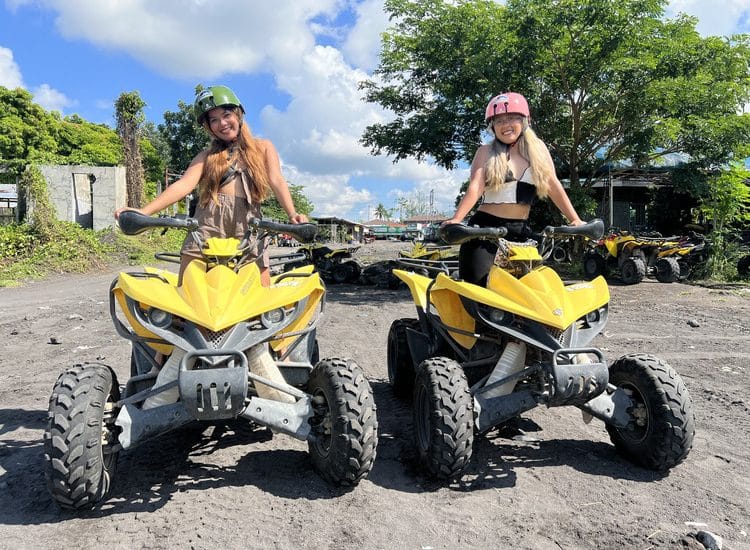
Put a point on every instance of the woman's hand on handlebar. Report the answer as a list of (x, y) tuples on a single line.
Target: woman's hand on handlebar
[(451, 221), (124, 208)]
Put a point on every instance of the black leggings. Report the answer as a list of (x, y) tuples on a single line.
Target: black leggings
[(475, 257)]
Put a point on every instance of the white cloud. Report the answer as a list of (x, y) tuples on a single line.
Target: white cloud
[(332, 195), (198, 39), (716, 18), (10, 74), (320, 129), (362, 46), (51, 99), (443, 186), (44, 95)]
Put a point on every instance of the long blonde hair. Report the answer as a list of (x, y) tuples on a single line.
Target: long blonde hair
[(250, 154), (532, 149)]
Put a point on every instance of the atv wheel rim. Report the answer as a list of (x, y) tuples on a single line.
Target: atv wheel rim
[(321, 424), (109, 442), (559, 254), (639, 427)]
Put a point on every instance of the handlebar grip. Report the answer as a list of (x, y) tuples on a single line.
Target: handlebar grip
[(303, 232), (593, 230), (133, 223), (456, 233)]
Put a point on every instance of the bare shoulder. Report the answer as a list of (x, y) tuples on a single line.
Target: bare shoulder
[(200, 158), (266, 145), (482, 154), (545, 148), (484, 150)]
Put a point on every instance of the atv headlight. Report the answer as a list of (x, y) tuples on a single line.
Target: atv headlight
[(593, 316), (159, 317), (273, 317), (498, 316)]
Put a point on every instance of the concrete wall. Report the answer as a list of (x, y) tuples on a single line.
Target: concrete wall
[(88, 195)]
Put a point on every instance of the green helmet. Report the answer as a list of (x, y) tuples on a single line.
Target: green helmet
[(212, 97)]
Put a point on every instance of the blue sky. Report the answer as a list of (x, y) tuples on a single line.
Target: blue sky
[(295, 64)]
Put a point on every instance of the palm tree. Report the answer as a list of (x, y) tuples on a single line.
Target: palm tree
[(382, 213)]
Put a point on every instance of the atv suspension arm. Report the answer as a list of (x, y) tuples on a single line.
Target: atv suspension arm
[(289, 418), (612, 406)]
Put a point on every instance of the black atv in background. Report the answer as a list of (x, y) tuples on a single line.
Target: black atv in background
[(334, 264)]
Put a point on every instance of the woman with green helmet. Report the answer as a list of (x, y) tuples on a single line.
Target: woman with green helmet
[(235, 173)]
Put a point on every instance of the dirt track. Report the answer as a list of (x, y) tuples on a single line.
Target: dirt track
[(561, 486)]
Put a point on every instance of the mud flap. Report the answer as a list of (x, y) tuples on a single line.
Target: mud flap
[(420, 345)]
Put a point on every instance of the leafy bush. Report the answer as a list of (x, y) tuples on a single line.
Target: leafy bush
[(69, 248)]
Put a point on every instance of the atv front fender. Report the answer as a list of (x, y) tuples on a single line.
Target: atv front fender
[(417, 286)]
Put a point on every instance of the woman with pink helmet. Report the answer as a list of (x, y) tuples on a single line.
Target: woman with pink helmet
[(509, 175)]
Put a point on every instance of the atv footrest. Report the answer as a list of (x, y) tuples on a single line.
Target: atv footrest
[(213, 393)]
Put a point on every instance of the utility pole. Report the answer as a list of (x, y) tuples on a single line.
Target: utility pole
[(611, 196)]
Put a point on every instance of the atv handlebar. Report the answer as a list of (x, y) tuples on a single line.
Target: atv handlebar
[(592, 230), (303, 232), (457, 233), (132, 222)]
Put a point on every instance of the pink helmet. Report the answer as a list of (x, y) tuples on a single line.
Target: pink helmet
[(508, 102)]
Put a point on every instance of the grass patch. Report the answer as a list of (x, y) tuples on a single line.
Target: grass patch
[(68, 248)]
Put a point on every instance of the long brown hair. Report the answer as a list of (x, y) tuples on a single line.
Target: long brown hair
[(246, 153), (532, 149)]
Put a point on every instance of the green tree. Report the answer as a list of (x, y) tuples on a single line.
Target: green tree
[(728, 200), (81, 142), (184, 137), (129, 114), (608, 80), (413, 204), (726, 204), (271, 209), (28, 133), (155, 152)]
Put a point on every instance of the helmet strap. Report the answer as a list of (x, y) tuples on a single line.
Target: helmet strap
[(509, 146)]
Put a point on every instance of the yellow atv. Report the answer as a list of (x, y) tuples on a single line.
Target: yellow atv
[(635, 257), (219, 346), (422, 251), (476, 357), (427, 260), (676, 260)]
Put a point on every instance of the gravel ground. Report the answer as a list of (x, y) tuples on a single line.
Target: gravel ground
[(563, 485)]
